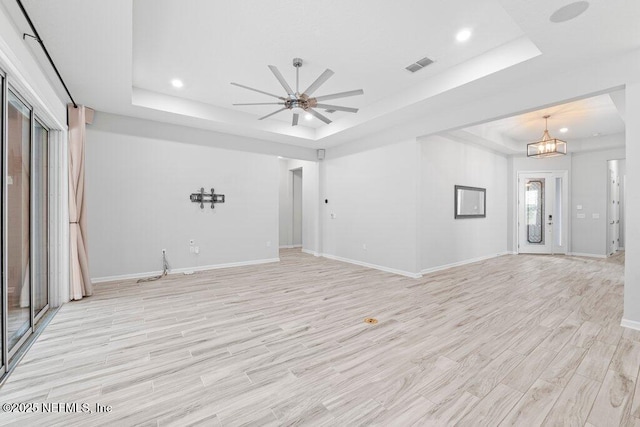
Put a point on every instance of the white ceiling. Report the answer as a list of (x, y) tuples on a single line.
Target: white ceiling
[(368, 43), (119, 56), (587, 118)]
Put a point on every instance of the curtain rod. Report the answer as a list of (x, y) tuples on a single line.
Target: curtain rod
[(36, 36)]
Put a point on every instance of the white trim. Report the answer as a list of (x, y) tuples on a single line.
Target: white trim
[(374, 266), (183, 270), (631, 324), (586, 255), (464, 262), (310, 252), (286, 247)]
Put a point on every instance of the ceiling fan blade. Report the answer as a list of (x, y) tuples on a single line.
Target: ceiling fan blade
[(271, 114), (257, 90), (295, 120), (318, 115), (262, 103), (340, 95), (281, 79), (337, 108), (319, 81)]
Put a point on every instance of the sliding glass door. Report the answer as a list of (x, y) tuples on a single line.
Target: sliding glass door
[(40, 219), (3, 298), (18, 217), (25, 231)]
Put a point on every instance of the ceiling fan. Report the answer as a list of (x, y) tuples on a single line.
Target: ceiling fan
[(303, 102)]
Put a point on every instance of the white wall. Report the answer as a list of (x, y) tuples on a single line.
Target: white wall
[(445, 240), (632, 202), (297, 207), (374, 198), (285, 210), (138, 202), (589, 188)]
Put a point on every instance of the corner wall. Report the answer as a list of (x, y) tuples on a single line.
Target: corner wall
[(632, 201), (447, 241), (589, 188), (372, 210)]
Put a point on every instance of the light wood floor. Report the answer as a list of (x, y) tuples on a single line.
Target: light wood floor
[(515, 340)]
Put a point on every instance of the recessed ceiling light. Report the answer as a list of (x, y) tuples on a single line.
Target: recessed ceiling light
[(463, 35), (308, 116), (569, 12), (280, 157), (564, 130), (177, 83)]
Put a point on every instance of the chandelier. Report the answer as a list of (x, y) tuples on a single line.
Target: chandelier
[(547, 146)]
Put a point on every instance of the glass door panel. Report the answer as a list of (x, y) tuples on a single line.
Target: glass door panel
[(534, 206), (40, 219), (17, 211), (2, 293)]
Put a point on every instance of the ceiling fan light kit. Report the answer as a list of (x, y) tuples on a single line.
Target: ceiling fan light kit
[(547, 146), (303, 102)]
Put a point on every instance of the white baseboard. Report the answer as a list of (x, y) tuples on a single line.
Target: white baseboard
[(286, 247), (374, 266), (631, 324), (314, 253), (586, 255), (183, 270), (464, 262)]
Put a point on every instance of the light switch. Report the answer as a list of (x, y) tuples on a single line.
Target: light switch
[(333, 216), (581, 216), (595, 216), (579, 207)]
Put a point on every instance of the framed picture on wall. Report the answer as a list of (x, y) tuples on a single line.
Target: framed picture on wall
[(469, 202)]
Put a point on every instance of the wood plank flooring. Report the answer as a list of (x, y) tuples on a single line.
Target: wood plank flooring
[(515, 340)]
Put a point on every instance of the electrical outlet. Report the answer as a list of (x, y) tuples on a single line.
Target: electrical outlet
[(364, 246), (192, 242), (197, 249), (192, 249)]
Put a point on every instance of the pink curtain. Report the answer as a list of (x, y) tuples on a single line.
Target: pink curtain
[(80, 281)]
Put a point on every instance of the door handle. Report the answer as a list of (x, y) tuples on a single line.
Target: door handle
[(612, 222)]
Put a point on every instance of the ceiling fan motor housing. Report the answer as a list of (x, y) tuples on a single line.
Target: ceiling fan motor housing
[(302, 101)]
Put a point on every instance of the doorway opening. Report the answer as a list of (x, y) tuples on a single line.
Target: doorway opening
[(542, 212), (296, 211), (616, 170)]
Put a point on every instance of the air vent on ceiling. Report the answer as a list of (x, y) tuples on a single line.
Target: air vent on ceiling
[(419, 65)]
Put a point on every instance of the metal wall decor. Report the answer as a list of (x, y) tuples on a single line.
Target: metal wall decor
[(203, 198)]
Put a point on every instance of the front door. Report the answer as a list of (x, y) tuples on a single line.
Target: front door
[(542, 219)]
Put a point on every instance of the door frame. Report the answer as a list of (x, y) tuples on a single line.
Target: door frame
[(566, 222), (292, 173)]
